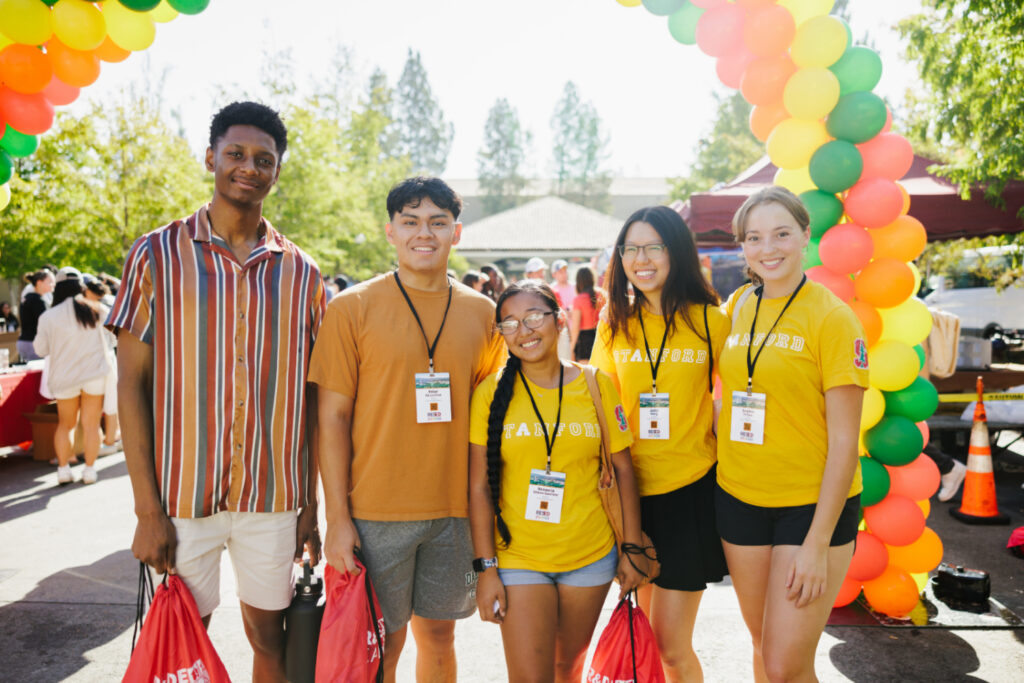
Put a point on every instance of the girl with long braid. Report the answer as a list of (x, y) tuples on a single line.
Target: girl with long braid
[(535, 457)]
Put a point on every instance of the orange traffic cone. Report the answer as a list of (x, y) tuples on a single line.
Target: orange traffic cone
[(978, 505)]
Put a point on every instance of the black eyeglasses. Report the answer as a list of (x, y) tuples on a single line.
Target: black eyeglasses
[(652, 251), (532, 321)]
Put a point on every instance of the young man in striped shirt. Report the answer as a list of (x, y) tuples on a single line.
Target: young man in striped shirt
[(216, 318)]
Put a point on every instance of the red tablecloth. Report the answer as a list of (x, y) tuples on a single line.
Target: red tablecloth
[(19, 393)]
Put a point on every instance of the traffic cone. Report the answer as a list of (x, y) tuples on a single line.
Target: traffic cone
[(978, 504)]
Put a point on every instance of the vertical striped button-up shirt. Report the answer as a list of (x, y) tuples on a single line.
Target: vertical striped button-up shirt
[(231, 347)]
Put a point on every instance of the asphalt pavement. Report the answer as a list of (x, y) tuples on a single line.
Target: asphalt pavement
[(68, 591)]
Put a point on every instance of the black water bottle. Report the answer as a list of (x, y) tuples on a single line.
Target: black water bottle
[(302, 627)]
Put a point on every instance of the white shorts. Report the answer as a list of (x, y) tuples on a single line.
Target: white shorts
[(110, 392), (95, 387), (262, 549)]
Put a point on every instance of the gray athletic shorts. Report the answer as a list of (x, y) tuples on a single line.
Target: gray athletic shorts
[(422, 568)]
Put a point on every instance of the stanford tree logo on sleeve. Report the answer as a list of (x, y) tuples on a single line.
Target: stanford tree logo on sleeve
[(620, 415), (860, 354)]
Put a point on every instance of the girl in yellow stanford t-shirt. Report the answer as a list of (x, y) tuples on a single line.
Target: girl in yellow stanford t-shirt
[(535, 459), (660, 347)]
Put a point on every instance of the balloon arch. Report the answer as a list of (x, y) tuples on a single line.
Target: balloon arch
[(824, 129)]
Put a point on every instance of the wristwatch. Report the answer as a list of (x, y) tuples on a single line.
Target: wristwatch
[(482, 564)]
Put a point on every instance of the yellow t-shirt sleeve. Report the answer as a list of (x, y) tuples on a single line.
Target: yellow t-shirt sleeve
[(619, 435), (842, 350), (480, 411), (334, 364), (601, 354)]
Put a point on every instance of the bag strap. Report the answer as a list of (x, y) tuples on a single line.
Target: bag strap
[(711, 355), (739, 304), (373, 616), (143, 600), (632, 635), (607, 472)]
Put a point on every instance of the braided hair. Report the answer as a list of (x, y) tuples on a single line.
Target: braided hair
[(503, 392)]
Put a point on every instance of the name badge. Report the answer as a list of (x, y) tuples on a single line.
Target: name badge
[(747, 417), (433, 397), (544, 500), (654, 416)]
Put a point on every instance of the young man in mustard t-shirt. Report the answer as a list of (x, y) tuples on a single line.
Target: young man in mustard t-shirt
[(396, 363)]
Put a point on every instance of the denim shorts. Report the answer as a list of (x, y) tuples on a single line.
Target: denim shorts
[(596, 573)]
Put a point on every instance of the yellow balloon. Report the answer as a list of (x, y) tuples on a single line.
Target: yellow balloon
[(25, 21), (630, 3), (793, 141), (921, 579), (873, 410), (79, 24), (820, 41), (796, 180), (163, 12), (5, 195), (802, 10), (926, 507), (910, 322), (4, 41), (128, 30), (916, 272), (894, 365), (811, 93)]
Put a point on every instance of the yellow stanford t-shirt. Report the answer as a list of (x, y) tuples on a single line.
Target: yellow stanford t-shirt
[(689, 452), (583, 535), (817, 345)]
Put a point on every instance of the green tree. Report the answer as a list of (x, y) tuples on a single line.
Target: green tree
[(725, 151), (96, 184), (424, 134), (971, 59), (580, 151), (499, 162)]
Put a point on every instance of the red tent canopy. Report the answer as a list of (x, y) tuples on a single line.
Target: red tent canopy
[(933, 200)]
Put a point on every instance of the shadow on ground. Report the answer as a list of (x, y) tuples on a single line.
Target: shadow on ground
[(18, 500)]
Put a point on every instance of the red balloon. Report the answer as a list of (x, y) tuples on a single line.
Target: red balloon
[(874, 202), (926, 431), (848, 592), (839, 284), (897, 520), (707, 4), (730, 67), (917, 480), (845, 248), (887, 155), (719, 29), (58, 92), (869, 559), (28, 114), (765, 79), (769, 30)]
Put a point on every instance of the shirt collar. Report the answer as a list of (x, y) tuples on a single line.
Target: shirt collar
[(200, 231)]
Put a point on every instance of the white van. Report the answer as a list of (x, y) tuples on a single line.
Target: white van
[(971, 296)]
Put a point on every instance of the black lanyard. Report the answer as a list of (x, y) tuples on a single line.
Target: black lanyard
[(661, 351), (430, 347), (549, 444), (752, 364)]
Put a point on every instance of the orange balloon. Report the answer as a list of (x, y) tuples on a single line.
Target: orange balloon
[(870, 319), (74, 67), (917, 480), (768, 30), (765, 79), (24, 68), (848, 592), (904, 239), (869, 559), (923, 555), (884, 283), (764, 118), (110, 52), (893, 593)]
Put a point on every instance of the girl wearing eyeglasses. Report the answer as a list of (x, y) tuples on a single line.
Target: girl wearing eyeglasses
[(534, 466), (660, 346)]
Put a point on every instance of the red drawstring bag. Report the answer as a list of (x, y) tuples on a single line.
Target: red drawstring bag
[(627, 651), (351, 643), (173, 645)]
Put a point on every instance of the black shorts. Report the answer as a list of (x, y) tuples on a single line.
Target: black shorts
[(585, 343), (681, 525), (741, 523)]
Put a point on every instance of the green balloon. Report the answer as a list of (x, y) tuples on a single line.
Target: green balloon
[(876, 481), (824, 208), (17, 144), (140, 5), (857, 117), (811, 257), (189, 6), (858, 70), (836, 166), (6, 167), (919, 350), (683, 23), (663, 8), (916, 402), (894, 441)]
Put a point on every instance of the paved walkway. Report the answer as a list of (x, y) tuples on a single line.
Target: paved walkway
[(68, 588)]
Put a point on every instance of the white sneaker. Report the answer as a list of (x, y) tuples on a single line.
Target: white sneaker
[(110, 449), (64, 475), (89, 475), (951, 481)]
